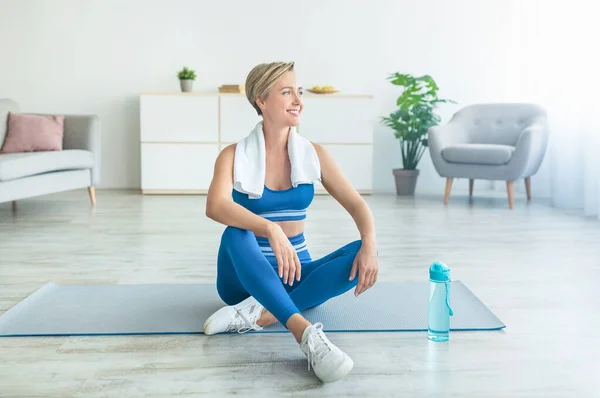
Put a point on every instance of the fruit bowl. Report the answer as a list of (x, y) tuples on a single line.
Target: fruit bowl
[(322, 90)]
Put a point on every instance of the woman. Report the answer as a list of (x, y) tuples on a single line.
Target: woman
[(265, 273)]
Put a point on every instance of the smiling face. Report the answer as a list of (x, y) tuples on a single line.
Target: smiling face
[(283, 105)]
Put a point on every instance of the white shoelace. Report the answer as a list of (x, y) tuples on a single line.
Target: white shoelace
[(318, 345), (241, 324)]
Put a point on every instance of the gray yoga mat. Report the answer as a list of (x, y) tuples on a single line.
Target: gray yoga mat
[(58, 310)]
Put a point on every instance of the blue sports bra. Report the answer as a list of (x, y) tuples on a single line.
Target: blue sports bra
[(285, 205)]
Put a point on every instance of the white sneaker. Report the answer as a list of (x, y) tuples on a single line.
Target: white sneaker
[(239, 318), (328, 361)]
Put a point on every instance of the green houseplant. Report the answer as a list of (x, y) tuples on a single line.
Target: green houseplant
[(410, 122), (186, 78)]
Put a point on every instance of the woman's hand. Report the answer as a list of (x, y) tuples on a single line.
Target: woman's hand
[(288, 264), (367, 266)]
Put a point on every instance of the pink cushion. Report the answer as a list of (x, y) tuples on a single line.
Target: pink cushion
[(31, 133)]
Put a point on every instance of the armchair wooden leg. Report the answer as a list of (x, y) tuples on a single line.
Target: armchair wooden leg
[(92, 193), (510, 188), (471, 181), (528, 187), (448, 189)]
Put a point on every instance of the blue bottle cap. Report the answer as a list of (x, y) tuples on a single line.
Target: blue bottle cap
[(439, 272)]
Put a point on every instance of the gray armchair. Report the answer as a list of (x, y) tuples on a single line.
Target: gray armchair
[(490, 142)]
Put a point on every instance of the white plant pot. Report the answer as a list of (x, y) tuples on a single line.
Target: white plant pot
[(186, 85)]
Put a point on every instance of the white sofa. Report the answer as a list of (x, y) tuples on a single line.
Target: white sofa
[(29, 174)]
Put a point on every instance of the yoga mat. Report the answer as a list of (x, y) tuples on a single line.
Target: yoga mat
[(59, 310)]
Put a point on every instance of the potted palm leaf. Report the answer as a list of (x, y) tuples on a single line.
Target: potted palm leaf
[(410, 122)]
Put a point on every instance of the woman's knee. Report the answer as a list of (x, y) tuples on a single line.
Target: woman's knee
[(231, 295), (234, 234), (354, 247)]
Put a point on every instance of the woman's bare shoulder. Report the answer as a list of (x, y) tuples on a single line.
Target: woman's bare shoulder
[(228, 152), (322, 153), (318, 148), (230, 148), (225, 159)]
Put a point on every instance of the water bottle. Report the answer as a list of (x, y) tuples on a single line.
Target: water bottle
[(439, 311)]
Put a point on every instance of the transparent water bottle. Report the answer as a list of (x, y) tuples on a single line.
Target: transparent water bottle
[(439, 311)]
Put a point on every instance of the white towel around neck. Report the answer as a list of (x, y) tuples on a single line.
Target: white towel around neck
[(249, 165)]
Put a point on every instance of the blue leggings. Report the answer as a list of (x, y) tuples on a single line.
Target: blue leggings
[(243, 270)]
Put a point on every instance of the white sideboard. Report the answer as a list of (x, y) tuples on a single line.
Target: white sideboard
[(182, 134)]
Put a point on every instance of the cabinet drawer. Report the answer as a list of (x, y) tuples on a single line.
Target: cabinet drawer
[(179, 118), (178, 166), (356, 164), (238, 118)]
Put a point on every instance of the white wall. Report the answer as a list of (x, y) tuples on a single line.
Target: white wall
[(96, 56)]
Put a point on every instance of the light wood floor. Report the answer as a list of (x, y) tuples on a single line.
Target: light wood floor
[(536, 268)]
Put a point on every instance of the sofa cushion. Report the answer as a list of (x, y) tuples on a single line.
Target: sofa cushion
[(6, 106), (19, 165), (30, 133), (478, 153)]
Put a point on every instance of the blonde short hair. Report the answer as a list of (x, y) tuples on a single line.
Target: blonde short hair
[(262, 78)]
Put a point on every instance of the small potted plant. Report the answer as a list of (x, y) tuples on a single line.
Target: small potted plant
[(186, 79), (415, 115)]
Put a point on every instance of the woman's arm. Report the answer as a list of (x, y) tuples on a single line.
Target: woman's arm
[(221, 208), (340, 189)]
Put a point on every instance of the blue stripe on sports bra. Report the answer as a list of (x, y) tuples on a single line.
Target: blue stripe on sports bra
[(285, 205)]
